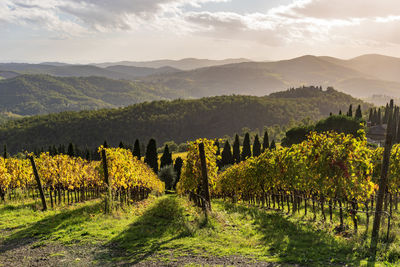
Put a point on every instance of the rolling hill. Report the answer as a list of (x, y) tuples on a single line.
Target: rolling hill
[(65, 70), (182, 64), (178, 120), (40, 94), (261, 78)]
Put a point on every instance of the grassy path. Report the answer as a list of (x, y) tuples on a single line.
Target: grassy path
[(165, 231)]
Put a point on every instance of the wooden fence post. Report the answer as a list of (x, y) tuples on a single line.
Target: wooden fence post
[(381, 191), (39, 183), (206, 191), (108, 198)]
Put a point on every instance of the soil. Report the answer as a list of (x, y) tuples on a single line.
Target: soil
[(31, 252)]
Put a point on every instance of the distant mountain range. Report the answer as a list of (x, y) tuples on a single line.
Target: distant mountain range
[(118, 72), (182, 64), (361, 77), (61, 86)]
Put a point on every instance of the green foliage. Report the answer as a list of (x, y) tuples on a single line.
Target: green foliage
[(340, 124), (337, 123), (191, 172), (167, 174), (296, 135)]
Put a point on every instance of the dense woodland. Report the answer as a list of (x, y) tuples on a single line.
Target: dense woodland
[(41, 94), (178, 120)]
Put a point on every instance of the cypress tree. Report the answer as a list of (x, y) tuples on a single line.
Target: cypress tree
[(236, 150), (358, 112), (265, 141), (166, 158), (379, 117), (398, 132), (371, 115), (61, 149), (105, 144), (71, 150), (246, 150), (375, 117), (5, 154), (88, 156), (136, 149), (54, 150), (395, 121), (178, 169), (273, 145), (256, 147), (350, 112), (216, 143), (385, 116), (151, 157), (226, 156), (121, 145)]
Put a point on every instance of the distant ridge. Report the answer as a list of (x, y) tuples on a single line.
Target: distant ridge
[(182, 64), (361, 76)]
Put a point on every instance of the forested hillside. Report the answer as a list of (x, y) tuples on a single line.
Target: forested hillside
[(178, 120), (40, 94)]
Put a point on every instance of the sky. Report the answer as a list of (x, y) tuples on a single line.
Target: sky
[(83, 31)]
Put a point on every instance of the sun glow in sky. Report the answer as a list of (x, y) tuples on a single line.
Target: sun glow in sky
[(84, 31)]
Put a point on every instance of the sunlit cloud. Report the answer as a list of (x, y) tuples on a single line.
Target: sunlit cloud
[(304, 23)]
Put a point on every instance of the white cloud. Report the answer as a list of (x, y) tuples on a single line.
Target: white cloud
[(343, 9), (305, 23)]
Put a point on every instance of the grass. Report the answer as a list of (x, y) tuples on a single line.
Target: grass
[(168, 228)]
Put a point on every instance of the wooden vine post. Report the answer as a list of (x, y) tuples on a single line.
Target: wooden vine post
[(205, 191), (382, 190), (39, 183), (108, 198)]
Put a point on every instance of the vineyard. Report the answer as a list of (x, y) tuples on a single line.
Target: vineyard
[(330, 176), (328, 173), (67, 180)]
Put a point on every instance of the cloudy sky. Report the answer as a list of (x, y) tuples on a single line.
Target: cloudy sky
[(82, 31)]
